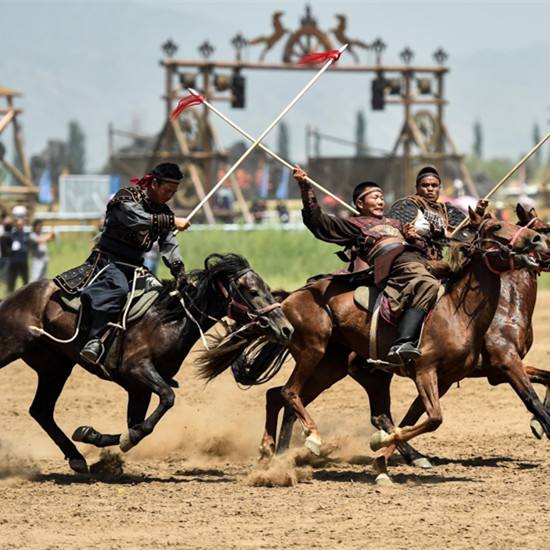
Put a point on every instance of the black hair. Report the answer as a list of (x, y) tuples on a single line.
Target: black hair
[(360, 187), (427, 171), (167, 171)]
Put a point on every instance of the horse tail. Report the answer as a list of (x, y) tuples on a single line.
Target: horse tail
[(260, 363), (253, 360)]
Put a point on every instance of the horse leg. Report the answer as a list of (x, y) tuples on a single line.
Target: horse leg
[(376, 384), (426, 384), (274, 402), (50, 385), (522, 381), (499, 369), (332, 368), (144, 376), (138, 402)]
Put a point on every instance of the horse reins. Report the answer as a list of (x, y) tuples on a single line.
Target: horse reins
[(256, 315)]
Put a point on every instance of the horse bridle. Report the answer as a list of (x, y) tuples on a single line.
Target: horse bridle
[(506, 249), (255, 315)]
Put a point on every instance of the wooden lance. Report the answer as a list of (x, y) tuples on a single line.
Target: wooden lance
[(202, 100), (331, 56)]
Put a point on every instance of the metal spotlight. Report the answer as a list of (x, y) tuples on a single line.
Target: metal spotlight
[(424, 85), (188, 80), (222, 82)]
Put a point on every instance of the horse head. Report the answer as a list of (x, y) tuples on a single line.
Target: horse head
[(503, 245), (248, 298), (531, 220)]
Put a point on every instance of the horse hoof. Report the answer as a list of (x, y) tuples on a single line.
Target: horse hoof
[(379, 439), (536, 428), (383, 480), (81, 433), (422, 463), (313, 443), (125, 442), (78, 465)]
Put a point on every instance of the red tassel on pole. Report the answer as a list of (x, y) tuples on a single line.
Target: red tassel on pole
[(195, 99), (319, 57)]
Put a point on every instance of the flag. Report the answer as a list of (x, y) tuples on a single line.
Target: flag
[(264, 181), (282, 190), (45, 187)]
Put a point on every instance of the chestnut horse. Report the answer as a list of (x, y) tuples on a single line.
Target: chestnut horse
[(326, 321), (504, 347), (37, 328)]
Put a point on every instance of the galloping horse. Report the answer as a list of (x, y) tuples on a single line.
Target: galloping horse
[(506, 343), (152, 349), (327, 322)]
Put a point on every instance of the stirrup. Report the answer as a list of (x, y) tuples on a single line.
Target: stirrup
[(92, 351), (403, 352)]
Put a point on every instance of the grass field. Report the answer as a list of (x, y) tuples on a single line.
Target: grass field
[(284, 258)]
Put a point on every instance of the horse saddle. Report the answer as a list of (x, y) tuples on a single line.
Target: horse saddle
[(139, 300)]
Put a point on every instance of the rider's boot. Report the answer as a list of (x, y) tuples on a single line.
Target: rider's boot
[(410, 327), (93, 350)]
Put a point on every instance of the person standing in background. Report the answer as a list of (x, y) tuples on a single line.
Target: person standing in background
[(39, 251), (19, 255), (5, 247)]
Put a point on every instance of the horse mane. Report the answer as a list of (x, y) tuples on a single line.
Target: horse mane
[(201, 283), (452, 267)]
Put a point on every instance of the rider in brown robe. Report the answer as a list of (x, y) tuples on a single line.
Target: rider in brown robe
[(394, 251)]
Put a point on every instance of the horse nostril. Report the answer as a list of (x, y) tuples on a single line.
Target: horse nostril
[(287, 332)]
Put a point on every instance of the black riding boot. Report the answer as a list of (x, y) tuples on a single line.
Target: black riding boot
[(404, 347), (93, 350)]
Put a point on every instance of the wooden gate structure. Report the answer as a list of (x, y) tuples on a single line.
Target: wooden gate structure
[(192, 140), (23, 191)]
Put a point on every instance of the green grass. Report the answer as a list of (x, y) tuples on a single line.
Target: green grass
[(284, 258)]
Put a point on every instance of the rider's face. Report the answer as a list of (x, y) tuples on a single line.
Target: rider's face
[(371, 204), (161, 193), (428, 188)]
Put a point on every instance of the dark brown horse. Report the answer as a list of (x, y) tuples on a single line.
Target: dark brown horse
[(152, 349), (327, 322)]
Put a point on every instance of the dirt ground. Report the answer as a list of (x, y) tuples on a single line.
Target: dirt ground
[(194, 484)]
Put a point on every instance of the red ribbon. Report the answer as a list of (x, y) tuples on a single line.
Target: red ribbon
[(319, 57), (142, 182), (186, 102)]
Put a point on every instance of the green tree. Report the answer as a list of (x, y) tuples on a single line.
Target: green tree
[(283, 141), (76, 149), (478, 140), (360, 134)]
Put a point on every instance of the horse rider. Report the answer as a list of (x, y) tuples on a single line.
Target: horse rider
[(442, 217), (135, 218), (394, 251)]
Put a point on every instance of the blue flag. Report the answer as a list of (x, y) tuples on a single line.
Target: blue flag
[(45, 187), (264, 181), (282, 190)]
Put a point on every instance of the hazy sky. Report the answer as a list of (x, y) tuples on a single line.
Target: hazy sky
[(98, 62)]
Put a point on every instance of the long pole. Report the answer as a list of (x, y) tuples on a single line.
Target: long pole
[(507, 176), (269, 152), (265, 132)]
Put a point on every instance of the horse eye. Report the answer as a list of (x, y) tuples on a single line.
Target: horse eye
[(497, 227)]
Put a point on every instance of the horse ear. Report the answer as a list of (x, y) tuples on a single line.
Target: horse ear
[(475, 219), (521, 213)]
